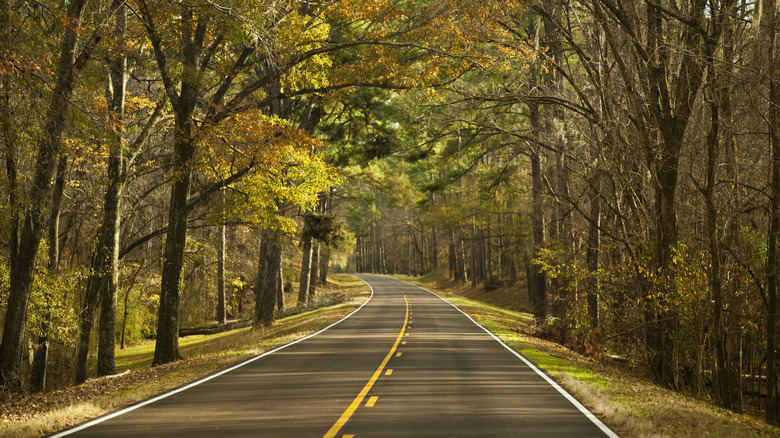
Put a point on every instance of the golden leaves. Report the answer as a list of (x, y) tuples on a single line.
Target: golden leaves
[(418, 44), (287, 165), (12, 64)]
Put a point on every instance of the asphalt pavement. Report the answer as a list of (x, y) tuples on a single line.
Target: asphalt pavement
[(406, 364)]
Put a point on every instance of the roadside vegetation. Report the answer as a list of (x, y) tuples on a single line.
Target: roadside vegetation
[(616, 392), (39, 414)]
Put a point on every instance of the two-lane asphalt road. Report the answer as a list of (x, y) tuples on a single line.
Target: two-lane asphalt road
[(405, 364)]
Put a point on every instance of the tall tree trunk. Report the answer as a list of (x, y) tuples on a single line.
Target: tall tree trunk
[(452, 257), (280, 303), (592, 286), (268, 276), (733, 332), (410, 259), (772, 270), (719, 374), (324, 264), (7, 134), (374, 248), (484, 265), (434, 249), (537, 281), (662, 320), (183, 95), (475, 277), (23, 269), (221, 299), (357, 253), (113, 201), (306, 261), (769, 23), (167, 344), (508, 254)]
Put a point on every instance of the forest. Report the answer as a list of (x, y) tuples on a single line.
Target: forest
[(177, 164)]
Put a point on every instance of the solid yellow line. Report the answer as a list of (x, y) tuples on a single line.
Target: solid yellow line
[(359, 399)]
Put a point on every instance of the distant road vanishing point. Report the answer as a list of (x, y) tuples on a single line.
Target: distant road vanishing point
[(406, 364)]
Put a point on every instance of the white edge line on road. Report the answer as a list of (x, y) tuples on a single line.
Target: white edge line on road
[(198, 382), (604, 428)]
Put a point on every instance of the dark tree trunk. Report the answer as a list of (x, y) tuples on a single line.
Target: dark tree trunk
[(593, 250), (434, 249), (8, 138), (484, 265), (167, 345), (537, 281), (221, 299), (374, 248), (192, 32), (475, 276), (268, 277), (324, 265), (509, 268), (111, 208), (110, 276), (719, 373), (733, 334), (452, 257), (305, 277), (280, 283), (769, 22), (662, 320), (410, 259), (87, 317)]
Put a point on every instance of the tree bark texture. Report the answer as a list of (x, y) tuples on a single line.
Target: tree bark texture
[(324, 264), (112, 205), (221, 300), (167, 343), (183, 102), (280, 302), (769, 23), (268, 277), (592, 286), (537, 281), (305, 275)]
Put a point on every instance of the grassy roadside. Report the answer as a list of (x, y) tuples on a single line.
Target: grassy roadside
[(39, 414), (631, 406)]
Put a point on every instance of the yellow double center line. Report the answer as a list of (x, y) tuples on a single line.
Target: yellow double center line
[(363, 392)]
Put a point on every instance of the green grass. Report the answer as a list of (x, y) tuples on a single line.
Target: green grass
[(140, 355)]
